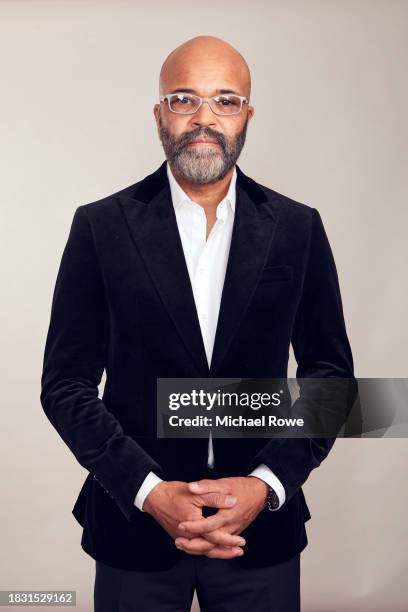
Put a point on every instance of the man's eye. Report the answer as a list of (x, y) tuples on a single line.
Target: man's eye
[(226, 101), (182, 100)]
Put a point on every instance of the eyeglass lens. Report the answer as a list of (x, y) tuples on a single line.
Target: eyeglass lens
[(188, 103)]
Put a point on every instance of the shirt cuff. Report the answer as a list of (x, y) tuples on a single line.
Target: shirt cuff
[(148, 484), (265, 473)]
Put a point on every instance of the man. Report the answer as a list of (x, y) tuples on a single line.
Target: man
[(139, 294)]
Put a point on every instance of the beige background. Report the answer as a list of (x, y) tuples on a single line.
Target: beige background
[(79, 80)]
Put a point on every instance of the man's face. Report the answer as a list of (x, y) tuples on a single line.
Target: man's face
[(205, 76)]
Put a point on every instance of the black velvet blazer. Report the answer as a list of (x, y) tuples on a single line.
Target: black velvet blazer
[(123, 302)]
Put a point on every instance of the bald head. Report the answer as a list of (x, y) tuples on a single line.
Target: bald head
[(207, 61)]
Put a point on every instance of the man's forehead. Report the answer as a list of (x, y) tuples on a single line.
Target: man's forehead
[(220, 77)]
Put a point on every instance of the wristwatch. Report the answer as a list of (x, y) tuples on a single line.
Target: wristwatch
[(272, 500)]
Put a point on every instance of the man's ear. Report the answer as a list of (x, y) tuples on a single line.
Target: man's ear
[(251, 111), (156, 113)]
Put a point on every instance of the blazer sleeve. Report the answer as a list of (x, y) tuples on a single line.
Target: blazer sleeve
[(321, 349), (74, 361)]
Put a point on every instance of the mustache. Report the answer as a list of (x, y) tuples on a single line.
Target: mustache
[(187, 137)]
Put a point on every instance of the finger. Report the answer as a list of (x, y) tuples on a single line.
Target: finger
[(206, 485), (224, 553), (223, 538), (194, 546), (187, 534), (217, 500), (205, 525)]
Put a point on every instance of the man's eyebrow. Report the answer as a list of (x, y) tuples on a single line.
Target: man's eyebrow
[(193, 91)]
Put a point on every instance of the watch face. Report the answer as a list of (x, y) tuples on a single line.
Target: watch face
[(273, 499)]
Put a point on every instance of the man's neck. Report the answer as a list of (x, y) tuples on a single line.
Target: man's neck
[(208, 195)]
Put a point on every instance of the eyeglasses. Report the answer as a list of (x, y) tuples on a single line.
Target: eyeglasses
[(188, 104)]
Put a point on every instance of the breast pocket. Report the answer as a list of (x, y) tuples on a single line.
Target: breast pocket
[(277, 273)]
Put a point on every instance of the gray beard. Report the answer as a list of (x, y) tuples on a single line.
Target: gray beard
[(206, 166), (201, 166)]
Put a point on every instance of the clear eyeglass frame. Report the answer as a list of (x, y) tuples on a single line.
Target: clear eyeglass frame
[(210, 101)]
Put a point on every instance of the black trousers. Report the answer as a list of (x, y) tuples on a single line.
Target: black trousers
[(221, 585)]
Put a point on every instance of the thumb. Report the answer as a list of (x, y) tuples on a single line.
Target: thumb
[(207, 485), (217, 500)]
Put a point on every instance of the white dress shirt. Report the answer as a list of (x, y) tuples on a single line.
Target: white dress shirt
[(206, 262)]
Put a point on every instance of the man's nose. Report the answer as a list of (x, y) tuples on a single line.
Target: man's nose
[(204, 116)]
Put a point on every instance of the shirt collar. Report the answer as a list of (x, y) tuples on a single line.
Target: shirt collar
[(179, 196)]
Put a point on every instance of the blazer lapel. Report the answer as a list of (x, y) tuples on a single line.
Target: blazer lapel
[(251, 241), (153, 226)]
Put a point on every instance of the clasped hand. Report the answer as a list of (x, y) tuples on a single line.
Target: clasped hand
[(177, 506)]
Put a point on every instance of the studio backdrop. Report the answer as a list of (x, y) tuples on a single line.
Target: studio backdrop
[(329, 87)]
